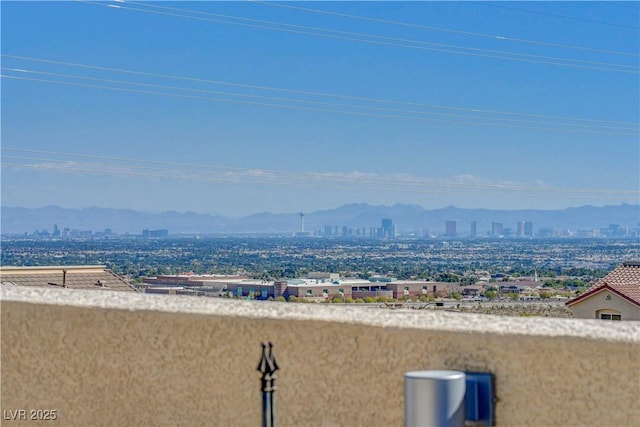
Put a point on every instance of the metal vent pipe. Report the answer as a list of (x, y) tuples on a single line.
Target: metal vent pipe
[(434, 399)]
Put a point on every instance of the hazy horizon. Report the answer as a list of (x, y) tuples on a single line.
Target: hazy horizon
[(242, 107), (309, 212)]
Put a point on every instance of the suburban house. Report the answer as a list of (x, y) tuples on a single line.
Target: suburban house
[(614, 297)]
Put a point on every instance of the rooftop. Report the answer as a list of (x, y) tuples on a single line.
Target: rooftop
[(624, 280), (75, 277)]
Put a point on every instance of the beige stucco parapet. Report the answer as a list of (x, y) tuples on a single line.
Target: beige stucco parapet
[(107, 358)]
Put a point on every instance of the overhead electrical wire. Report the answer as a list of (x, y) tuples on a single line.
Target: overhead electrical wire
[(350, 33), (573, 18), (446, 30), (574, 63), (175, 170), (205, 172), (320, 94), (305, 108), (377, 109)]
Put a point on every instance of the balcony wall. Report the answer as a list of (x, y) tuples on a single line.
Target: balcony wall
[(114, 359)]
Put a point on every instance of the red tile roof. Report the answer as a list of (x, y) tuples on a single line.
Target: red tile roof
[(623, 281)]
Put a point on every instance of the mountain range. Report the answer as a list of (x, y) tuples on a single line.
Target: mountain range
[(406, 218)]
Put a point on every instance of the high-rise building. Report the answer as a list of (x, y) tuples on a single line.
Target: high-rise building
[(496, 229), (155, 234), (474, 229), (450, 228), (525, 229), (387, 228), (528, 228)]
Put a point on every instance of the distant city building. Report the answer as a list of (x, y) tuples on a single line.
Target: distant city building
[(525, 229), (546, 232), (496, 229), (528, 229), (614, 230), (450, 229), (155, 234), (301, 222), (301, 233), (387, 229), (473, 232), (587, 233)]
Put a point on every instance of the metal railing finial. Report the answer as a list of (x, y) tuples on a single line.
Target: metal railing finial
[(268, 367)]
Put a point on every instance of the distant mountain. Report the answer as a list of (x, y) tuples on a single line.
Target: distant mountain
[(407, 218)]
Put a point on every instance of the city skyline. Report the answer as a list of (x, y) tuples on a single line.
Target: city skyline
[(243, 107), (348, 220)]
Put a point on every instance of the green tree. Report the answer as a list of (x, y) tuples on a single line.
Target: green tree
[(545, 295), (491, 293)]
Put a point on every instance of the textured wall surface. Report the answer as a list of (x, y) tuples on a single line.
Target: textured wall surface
[(110, 359)]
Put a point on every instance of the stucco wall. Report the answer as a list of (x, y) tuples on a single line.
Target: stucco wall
[(105, 358), (587, 308)]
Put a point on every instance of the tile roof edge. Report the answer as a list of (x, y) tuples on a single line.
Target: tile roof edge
[(597, 289)]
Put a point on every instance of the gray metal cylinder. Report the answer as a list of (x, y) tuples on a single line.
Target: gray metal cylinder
[(434, 399)]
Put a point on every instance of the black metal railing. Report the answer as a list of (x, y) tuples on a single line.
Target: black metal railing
[(268, 367)]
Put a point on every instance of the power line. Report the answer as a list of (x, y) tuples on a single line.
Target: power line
[(304, 108), (575, 63), (395, 39), (233, 175), (447, 30), (556, 15), (313, 93), (379, 109)]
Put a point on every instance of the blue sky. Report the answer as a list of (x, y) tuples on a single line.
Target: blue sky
[(233, 118)]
